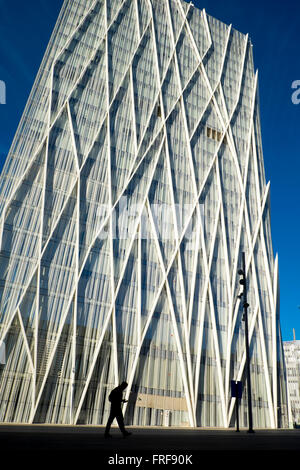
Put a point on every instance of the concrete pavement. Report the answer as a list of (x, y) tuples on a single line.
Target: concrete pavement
[(147, 444)]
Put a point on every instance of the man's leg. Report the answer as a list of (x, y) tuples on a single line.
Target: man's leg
[(109, 421), (120, 421)]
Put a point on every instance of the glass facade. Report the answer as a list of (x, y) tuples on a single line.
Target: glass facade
[(133, 185)]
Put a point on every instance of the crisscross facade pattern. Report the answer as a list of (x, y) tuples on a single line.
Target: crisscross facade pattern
[(134, 182)]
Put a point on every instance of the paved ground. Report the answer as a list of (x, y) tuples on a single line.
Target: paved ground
[(143, 447)]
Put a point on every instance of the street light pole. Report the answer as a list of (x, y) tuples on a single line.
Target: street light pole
[(243, 282)]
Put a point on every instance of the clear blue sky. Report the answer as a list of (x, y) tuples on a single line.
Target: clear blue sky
[(274, 30)]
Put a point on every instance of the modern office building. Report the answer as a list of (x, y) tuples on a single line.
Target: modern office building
[(133, 185), (292, 362)]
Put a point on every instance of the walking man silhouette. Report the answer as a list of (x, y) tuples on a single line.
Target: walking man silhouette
[(116, 399)]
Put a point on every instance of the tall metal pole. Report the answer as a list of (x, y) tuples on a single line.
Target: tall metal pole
[(246, 305), (237, 407)]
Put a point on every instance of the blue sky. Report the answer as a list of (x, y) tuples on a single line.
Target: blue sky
[(274, 30)]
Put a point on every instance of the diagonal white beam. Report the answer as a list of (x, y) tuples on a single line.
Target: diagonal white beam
[(171, 185), (111, 250)]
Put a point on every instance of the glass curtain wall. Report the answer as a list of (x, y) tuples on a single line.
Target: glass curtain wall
[(134, 183)]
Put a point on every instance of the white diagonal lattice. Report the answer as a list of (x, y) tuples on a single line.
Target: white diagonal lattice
[(149, 124)]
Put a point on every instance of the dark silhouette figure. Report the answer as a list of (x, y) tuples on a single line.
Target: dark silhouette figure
[(116, 400)]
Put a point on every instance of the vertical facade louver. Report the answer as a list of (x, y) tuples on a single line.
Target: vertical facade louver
[(133, 184)]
